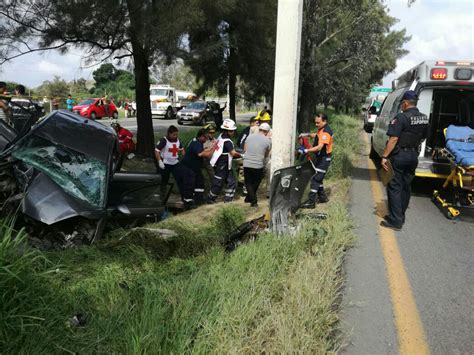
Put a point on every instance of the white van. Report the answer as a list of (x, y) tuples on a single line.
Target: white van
[(163, 100), (446, 94)]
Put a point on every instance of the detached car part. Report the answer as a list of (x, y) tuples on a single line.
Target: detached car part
[(287, 188)]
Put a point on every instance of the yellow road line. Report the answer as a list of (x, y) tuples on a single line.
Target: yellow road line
[(411, 336)]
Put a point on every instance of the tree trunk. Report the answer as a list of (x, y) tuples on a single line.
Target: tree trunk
[(145, 134), (232, 84), (307, 104)]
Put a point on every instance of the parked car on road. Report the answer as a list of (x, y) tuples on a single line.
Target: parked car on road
[(199, 112), (370, 111), (95, 109)]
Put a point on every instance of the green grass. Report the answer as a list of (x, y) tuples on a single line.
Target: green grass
[(141, 293)]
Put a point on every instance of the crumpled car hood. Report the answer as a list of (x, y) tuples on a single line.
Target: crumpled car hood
[(46, 202)]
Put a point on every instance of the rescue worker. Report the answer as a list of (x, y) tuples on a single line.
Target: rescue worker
[(322, 147), (406, 132), (5, 111), (264, 115), (194, 159), (210, 143), (167, 153), (221, 161), (246, 132), (105, 102), (257, 147), (126, 143)]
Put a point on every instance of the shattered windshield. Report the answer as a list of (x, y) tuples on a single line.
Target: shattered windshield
[(79, 175)]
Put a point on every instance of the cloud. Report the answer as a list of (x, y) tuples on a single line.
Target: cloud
[(32, 69), (439, 30)]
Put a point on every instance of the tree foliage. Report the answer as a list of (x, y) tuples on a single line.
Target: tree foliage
[(235, 41), (56, 88), (176, 74), (116, 83), (143, 31), (347, 47)]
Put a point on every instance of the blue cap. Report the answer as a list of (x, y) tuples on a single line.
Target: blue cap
[(410, 95)]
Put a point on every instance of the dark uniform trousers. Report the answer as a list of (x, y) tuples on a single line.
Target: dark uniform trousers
[(253, 178), (404, 164), (183, 176), (198, 186), (222, 176), (321, 165)]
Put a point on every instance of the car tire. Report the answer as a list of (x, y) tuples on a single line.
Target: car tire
[(169, 113), (180, 122), (115, 115), (57, 236), (93, 116), (373, 154), (367, 128)]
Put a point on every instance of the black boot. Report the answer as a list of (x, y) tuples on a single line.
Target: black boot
[(308, 204), (322, 198)]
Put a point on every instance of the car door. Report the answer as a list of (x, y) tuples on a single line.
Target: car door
[(99, 109), (389, 108), (137, 185)]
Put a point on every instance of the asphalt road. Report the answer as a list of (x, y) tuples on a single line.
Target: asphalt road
[(437, 256), (161, 125)]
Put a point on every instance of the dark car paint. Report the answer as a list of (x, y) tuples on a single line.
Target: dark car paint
[(47, 202), (287, 188), (207, 114)]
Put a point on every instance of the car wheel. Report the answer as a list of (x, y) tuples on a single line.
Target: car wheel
[(115, 115), (180, 122), (373, 154), (169, 114), (70, 233), (367, 128), (93, 116)]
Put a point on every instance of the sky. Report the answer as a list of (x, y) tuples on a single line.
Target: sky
[(439, 30)]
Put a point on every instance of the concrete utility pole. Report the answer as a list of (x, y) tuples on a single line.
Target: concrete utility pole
[(287, 69)]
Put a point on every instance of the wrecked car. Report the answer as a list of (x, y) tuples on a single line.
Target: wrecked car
[(65, 179)]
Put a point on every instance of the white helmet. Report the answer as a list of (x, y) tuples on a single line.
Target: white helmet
[(264, 127), (228, 125)]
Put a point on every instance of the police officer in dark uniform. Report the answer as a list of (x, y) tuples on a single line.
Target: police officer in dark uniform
[(322, 148), (406, 132)]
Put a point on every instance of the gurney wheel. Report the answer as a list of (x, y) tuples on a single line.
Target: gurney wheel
[(450, 215)]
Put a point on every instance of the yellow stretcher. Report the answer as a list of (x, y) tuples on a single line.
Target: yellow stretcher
[(457, 191)]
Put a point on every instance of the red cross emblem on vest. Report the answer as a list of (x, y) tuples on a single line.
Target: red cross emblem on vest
[(174, 150)]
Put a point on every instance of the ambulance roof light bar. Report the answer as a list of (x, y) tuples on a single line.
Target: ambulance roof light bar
[(441, 63)]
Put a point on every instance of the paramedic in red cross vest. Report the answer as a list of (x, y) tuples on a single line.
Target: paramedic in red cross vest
[(322, 149), (167, 153), (406, 132), (221, 161)]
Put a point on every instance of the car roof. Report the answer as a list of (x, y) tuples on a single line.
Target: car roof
[(78, 133)]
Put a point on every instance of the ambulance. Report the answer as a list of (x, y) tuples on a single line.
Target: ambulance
[(446, 94)]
